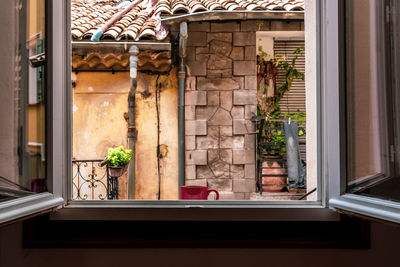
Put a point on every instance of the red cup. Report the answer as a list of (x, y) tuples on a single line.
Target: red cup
[(196, 192)]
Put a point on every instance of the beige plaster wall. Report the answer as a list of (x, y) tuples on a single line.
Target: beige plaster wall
[(147, 178), (99, 104)]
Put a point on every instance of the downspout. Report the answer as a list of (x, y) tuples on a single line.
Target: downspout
[(133, 59), (183, 35), (99, 32)]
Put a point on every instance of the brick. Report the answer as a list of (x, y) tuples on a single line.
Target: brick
[(245, 97), (220, 169), (197, 127), (220, 184), (231, 196), (220, 47), (238, 142), (250, 111), (190, 172), (237, 171), (213, 131), (190, 142), (199, 27), (197, 67), (250, 82), (197, 182), (206, 142), (249, 141), (196, 157), (219, 62), (248, 26), (220, 73), (237, 112), (195, 98), (197, 39), (244, 38), (190, 113), (201, 50), (237, 53), (244, 67), (204, 172), (226, 155), (221, 118), (285, 25), (205, 113), (225, 26), (239, 127), (191, 53), (225, 130), (264, 25), (226, 142), (240, 81), (249, 171), (227, 37), (243, 156), (250, 53), (213, 98), (226, 100), (217, 84), (244, 185), (212, 155)]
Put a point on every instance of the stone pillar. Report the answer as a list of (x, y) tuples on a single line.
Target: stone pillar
[(220, 101)]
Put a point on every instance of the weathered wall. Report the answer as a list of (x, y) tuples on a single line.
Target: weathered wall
[(100, 101), (220, 101)]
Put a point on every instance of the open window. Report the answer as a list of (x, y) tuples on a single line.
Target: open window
[(371, 76), (29, 178)]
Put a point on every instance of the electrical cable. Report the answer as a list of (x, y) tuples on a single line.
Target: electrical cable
[(158, 134)]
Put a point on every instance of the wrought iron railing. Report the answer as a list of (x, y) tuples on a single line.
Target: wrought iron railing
[(89, 180)]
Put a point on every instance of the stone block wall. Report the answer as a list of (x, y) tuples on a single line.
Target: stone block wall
[(220, 101)]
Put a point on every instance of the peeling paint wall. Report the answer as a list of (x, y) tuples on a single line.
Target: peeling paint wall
[(99, 104)]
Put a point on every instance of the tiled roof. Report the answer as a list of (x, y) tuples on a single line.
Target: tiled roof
[(143, 20)]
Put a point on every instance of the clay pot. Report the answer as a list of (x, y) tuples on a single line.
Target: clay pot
[(116, 171), (273, 184)]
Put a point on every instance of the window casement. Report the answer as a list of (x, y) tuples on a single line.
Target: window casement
[(241, 210), (371, 114), (323, 55)]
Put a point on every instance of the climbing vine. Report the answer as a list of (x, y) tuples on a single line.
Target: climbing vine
[(267, 72)]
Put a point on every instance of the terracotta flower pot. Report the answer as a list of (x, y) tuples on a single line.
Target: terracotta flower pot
[(273, 183), (117, 171)]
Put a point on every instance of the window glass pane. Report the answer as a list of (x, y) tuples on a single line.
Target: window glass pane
[(23, 143), (372, 98), (243, 121)]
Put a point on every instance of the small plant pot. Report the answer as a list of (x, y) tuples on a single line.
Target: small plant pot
[(117, 171)]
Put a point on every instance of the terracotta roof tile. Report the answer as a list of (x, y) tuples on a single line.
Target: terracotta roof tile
[(143, 21)]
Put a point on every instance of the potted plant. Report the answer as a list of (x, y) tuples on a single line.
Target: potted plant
[(117, 160)]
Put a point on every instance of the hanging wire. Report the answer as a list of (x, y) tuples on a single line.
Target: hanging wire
[(158, 134)]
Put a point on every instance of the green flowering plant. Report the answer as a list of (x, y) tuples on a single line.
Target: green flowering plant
[(118, 157)]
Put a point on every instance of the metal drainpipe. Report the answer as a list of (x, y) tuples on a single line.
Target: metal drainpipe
[(133, 59), (183, 35)]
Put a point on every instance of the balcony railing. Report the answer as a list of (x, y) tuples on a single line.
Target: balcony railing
[(89, 180)]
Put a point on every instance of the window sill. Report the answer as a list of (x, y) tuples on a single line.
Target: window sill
[(195, 211)]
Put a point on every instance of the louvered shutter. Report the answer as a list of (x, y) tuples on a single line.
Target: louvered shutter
[(295, 99)]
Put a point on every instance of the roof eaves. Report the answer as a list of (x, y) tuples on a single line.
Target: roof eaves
[(213, 15)]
